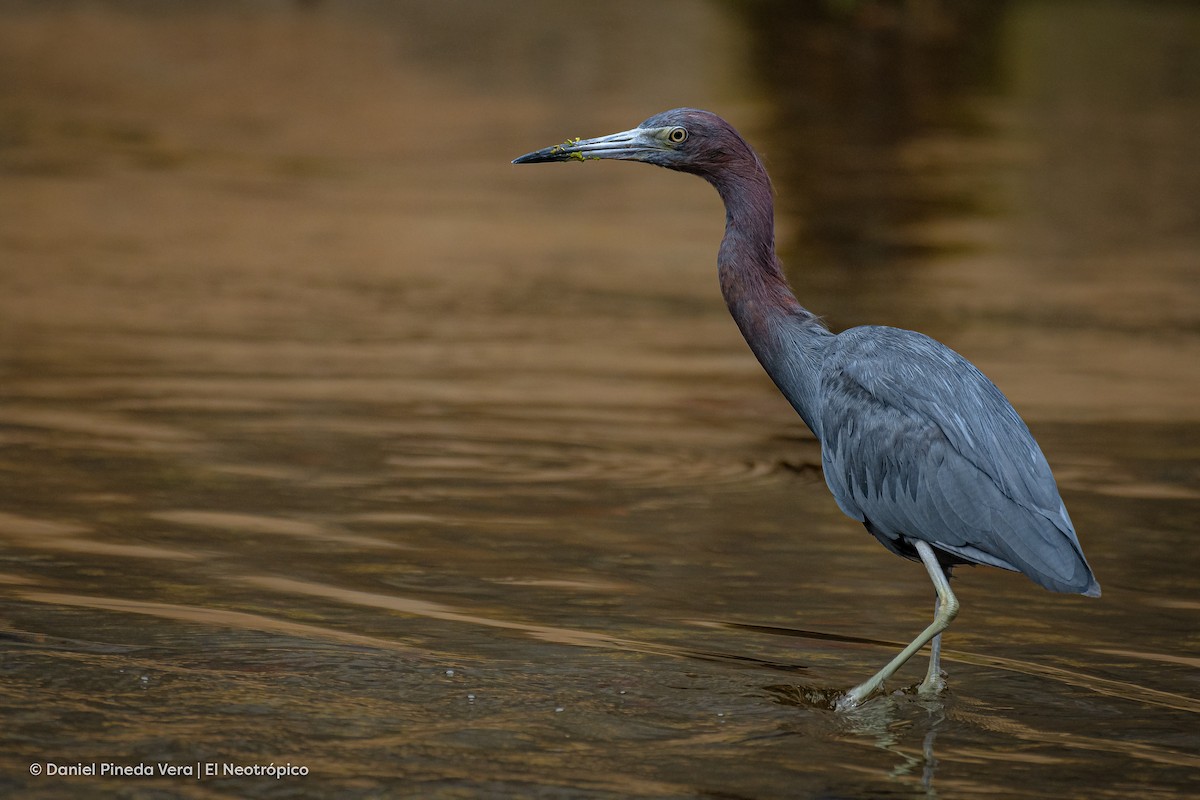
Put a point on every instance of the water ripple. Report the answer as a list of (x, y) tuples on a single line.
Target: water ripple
[(533, 461), (268, 525), (44, 534)]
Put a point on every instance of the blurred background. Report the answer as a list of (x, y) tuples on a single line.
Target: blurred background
[(329, 436)]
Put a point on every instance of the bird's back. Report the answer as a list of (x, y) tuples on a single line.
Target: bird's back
[(919, 445)]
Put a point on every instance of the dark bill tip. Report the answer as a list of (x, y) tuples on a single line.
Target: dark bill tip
[(542, 156)]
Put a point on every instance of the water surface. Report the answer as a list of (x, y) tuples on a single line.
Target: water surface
[(328, 437)]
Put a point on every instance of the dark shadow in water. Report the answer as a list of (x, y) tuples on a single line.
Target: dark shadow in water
[(905, 133), (852, 86)]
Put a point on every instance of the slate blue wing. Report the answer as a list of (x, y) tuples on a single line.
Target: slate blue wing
[(919, 445)]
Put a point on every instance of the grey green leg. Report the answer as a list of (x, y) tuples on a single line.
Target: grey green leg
[(947, 609), (934, 683)]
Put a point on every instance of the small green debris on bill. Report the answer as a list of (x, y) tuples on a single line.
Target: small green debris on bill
[(569, 143)]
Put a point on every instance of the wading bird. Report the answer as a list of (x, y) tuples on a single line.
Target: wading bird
[(916, 443)]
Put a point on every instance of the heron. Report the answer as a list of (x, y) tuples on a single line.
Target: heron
[(916, 443)]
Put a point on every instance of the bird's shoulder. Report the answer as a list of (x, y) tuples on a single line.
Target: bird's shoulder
[(914, 373)]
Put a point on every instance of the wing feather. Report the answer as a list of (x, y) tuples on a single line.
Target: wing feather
[(919, 444)]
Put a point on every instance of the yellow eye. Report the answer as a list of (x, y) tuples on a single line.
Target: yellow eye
[(677, 135)]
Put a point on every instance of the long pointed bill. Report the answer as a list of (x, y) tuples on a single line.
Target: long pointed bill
[(631, 145)]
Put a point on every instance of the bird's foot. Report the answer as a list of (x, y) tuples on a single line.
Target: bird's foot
[(933, 685), (855, 697)]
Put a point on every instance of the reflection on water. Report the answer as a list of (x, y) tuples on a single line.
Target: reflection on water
[(327, 437)]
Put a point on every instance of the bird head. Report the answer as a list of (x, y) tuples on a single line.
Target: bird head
[(684, 139)]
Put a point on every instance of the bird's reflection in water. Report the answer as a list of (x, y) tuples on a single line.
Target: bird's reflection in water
[(892, 723)]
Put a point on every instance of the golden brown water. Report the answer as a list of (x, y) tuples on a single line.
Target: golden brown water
[(330, 438)]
